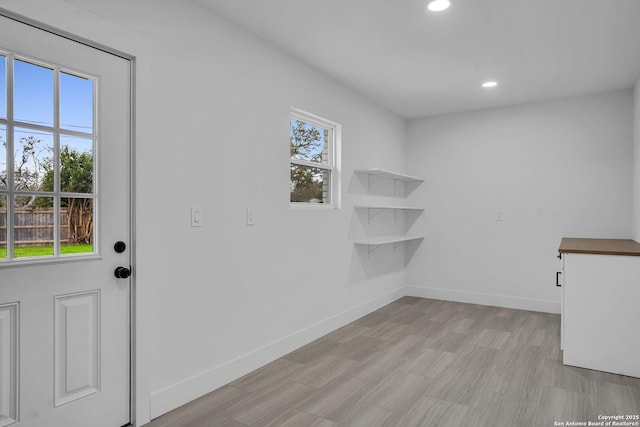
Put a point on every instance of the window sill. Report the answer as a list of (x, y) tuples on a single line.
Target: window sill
[(311, 206), (35, 261)]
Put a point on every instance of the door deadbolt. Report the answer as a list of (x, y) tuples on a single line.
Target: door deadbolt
[(120, 247)]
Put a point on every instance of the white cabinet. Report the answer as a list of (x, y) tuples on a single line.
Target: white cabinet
[(601, 312)]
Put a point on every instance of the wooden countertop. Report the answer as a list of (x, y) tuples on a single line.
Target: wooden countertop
[(570, 245)]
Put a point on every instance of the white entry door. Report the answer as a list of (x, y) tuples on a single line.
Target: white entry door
[(64, 204)]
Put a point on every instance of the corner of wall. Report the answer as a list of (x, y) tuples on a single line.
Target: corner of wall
[(636, 162)]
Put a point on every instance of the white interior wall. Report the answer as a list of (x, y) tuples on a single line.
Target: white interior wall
[(636, 163), (212, 127), (554, 169), (221, 300), (241, 295)]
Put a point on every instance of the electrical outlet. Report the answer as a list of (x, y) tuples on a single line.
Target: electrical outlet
[(498, 215)]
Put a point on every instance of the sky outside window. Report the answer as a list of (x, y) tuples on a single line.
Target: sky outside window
[(32, 93), (76, 103), (33, 104)]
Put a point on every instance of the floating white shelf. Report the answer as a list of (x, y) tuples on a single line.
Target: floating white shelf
[(373, 175), (389, 174), (401, 208), (384, 240), (373, 210), (372, 243)]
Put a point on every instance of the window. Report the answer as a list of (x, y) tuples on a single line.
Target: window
[(313, 143), (47, 146)]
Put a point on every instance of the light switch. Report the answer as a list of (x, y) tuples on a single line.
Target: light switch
[(251, 216), (196, 217)]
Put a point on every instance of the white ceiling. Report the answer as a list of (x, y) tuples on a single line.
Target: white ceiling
[(421, 64)]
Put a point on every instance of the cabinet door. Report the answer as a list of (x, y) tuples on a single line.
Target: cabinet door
[(562, 316), (600, 313)]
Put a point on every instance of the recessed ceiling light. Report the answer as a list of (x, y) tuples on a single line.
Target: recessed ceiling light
[(490, 84), (438, 5)]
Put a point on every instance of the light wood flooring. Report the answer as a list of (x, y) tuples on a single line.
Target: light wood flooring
[(420, 362)]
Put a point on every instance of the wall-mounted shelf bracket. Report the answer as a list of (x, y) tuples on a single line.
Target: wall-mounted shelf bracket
[(371, 180), (371, 249), (397, 213), (395, 186), (373, 243), (372, 213), (373, 175)]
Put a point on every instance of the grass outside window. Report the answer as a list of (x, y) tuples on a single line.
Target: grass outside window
[(37, 251)]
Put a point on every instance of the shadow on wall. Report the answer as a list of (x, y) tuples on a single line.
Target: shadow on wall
[(377, 261), (410, 249)]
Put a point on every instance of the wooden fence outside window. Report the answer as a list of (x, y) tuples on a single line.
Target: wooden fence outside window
[(34, 227)]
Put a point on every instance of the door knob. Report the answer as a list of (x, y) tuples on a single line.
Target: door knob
[(122, 272)]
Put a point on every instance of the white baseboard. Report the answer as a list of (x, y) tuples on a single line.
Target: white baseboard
[(175, 395), (495, 300)]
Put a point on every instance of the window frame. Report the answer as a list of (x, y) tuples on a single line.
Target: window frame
[(333, 159), (58, 132)]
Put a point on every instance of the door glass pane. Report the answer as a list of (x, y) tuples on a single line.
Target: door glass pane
[(3, 157), (33, 226), (3, 87), (310, 185), (76, 103), (33, 160), (51, 158), (32, 93), (76, 225), (308, 142), (3, 227), (76, 164)]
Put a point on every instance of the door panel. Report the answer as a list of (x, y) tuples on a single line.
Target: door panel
[(8, 363), (64, 316), (77, 346)]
